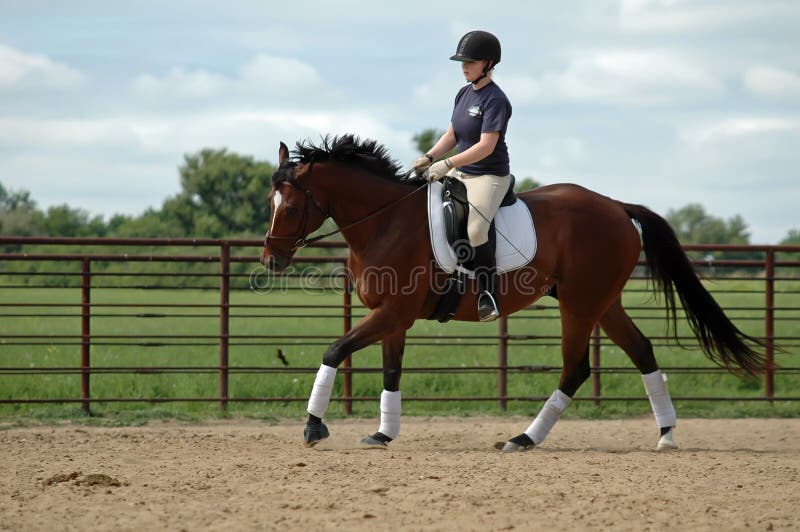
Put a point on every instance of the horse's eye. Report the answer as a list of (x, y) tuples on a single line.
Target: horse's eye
[(291, 211)]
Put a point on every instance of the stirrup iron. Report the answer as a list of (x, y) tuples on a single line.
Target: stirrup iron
[(487, 311)]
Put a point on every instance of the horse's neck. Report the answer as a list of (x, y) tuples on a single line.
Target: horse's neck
[(364, 194)]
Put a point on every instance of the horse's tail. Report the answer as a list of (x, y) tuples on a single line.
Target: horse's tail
[(672, 272)]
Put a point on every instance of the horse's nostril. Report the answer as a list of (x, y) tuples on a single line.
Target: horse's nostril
[(275, 263)]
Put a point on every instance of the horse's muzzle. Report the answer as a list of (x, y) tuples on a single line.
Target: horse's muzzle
[(275, 262)]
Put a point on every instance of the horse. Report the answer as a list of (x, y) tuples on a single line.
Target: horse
[(589, 246)]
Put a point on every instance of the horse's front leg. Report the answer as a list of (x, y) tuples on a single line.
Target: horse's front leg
[(393, 346), (374, 326)]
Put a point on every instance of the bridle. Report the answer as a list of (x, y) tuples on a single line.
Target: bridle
[(302, 240)]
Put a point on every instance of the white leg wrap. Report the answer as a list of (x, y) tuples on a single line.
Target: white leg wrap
[(321, 393), (656, 386), (548, 415), (390, 414)]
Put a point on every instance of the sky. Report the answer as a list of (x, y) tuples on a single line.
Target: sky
[(657, 102)]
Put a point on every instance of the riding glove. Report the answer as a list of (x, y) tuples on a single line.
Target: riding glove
[(438, 170), (422, 163)]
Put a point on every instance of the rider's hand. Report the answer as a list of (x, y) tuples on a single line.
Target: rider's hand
[(438, 170), (422, 163)]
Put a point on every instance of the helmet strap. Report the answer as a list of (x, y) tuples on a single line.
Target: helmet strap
[(478, 79), (486, 70)]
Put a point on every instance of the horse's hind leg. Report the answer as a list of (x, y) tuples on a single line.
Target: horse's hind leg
[(575, 332), (622, 331)]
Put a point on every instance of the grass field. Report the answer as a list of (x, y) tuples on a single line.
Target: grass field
[(738, 297)]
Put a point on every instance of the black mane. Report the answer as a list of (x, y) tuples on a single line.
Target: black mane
[(366, 154)]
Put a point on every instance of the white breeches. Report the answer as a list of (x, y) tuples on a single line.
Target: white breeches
[(485, 192)]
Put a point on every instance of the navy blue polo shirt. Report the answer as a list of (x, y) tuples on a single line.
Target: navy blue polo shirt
[(482, 111)]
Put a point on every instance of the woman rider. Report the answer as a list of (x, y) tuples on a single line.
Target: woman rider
[(478, 127)]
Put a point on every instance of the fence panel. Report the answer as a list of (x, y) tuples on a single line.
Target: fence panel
[(113, 267)]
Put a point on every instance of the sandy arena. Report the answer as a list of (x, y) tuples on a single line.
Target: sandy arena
[(442, 474)]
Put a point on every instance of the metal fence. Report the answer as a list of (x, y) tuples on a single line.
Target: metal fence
[(80, 269)]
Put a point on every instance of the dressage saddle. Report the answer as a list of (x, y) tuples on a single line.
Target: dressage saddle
[(456, 210)]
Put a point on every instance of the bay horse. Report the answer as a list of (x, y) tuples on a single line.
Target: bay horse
[(588, 249)]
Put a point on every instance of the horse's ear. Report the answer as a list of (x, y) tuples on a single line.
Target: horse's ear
[(283, 154)]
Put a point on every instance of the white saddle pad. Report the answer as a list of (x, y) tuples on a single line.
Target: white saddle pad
[(516, 235)]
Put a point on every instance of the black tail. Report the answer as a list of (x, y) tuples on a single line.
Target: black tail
[(672, 272)]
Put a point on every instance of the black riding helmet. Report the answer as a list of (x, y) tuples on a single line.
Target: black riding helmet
[(478, 45)]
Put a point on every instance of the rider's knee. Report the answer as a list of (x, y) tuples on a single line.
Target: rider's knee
[(478, 232)]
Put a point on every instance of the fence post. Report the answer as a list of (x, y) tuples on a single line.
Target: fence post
[(596, 386), (769, 326), (348, 320), (224, 318), (86, 339), (502, 363)]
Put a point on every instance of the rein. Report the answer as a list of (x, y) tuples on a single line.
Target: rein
[(303, 241)]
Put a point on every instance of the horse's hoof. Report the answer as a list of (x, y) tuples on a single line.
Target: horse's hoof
[(313, 434), (518, 444), (373, 443), (667, 442)]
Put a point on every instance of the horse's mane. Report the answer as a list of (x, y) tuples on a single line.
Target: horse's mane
[(366, 154)]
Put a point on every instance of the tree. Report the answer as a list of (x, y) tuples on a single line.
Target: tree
[(63, 220), (13, 200), (149, 224), (792, 238), (526, 184), (427, 138), (694, 226), (19, 215), (222, 194)]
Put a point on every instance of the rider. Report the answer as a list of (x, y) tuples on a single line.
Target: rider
[(478, 127)]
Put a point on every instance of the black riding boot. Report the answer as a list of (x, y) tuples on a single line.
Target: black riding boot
[(486, 276)]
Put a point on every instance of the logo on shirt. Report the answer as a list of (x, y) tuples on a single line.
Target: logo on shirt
[(474, 111)]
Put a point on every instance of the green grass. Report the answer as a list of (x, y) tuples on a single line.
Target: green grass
[(327, 322)]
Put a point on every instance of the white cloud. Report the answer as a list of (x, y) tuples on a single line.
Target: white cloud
[(267, 71), (438, 91), (681, 16), (772, 82), (101, 182), (127, 163), (35, 133), (733, 129), (263, 74), (621, 77), (194, 84), (20, 70), (560, 153), (523, 89), (248, 131)]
